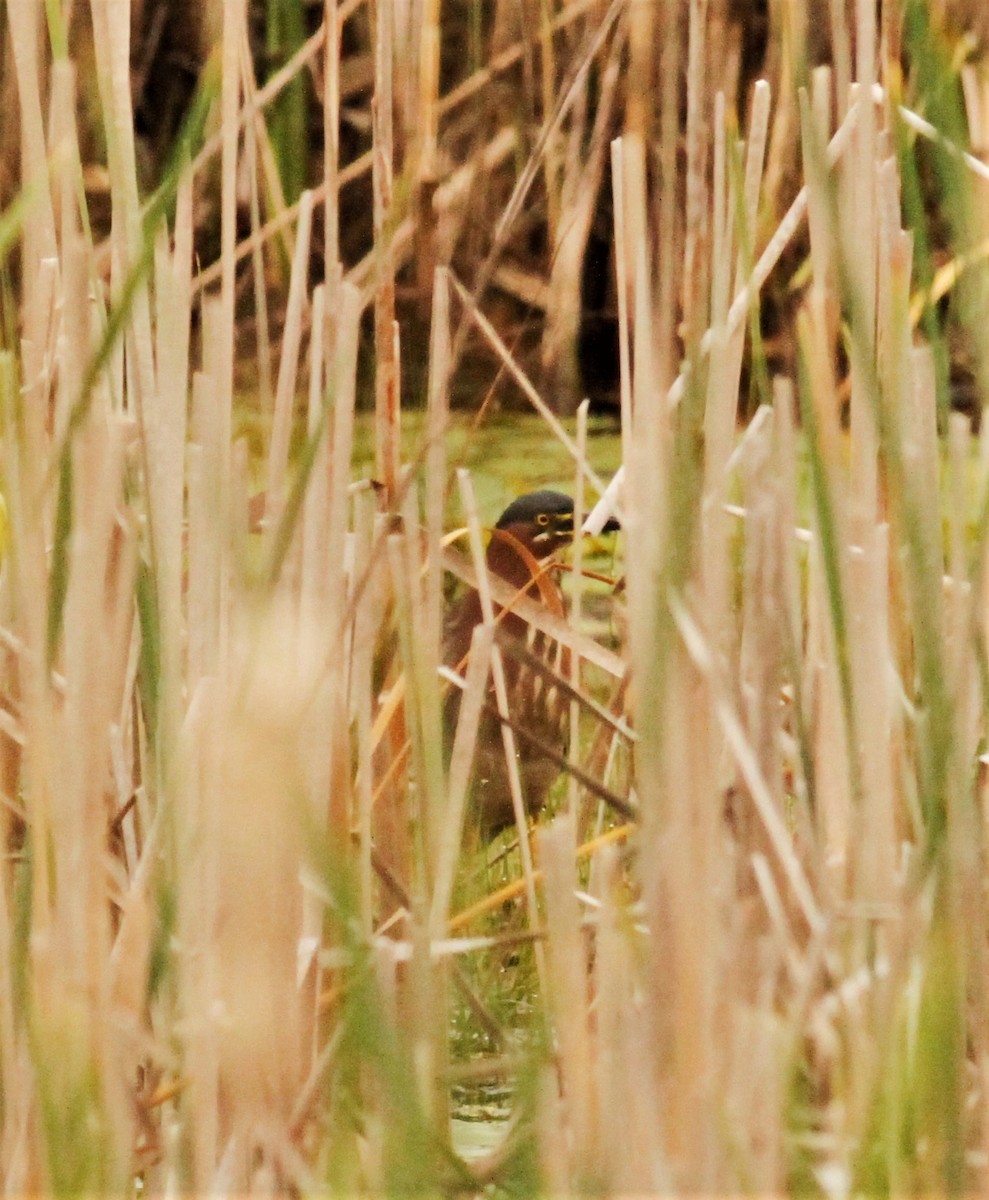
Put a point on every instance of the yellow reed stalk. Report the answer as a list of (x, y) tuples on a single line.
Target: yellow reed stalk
[(517, 888)]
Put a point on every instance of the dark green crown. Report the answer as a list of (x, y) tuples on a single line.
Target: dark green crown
[(556, 508)]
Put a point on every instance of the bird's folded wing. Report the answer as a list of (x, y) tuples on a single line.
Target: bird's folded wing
[(537, 615)]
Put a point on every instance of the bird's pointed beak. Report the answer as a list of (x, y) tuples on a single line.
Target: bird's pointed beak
[(601, 518)]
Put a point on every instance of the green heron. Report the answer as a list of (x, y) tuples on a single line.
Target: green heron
[(528, 533)]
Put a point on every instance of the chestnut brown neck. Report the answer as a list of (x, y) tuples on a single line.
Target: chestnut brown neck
[(505, 559)]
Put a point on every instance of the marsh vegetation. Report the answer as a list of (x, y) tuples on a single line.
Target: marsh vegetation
[(274, 279)]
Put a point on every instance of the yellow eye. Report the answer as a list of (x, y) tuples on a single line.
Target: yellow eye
[(542, 519)]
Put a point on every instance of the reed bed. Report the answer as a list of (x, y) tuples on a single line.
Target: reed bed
[(247, 942)]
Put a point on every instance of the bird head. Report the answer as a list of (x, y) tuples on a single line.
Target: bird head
[(542, 521)]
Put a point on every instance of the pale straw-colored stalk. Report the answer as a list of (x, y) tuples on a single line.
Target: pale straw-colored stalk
[(669, 205), (697, 219), (386, 381), (278, 449), (315, 513), (112, 44), (263, 331), (437, 420), (39, 226), (331, 151), (501, 699), (450, 833), (721, 399), (366, 619), (165, 433), (343, 392), (566, 977), (622, 284), (429, 87)]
